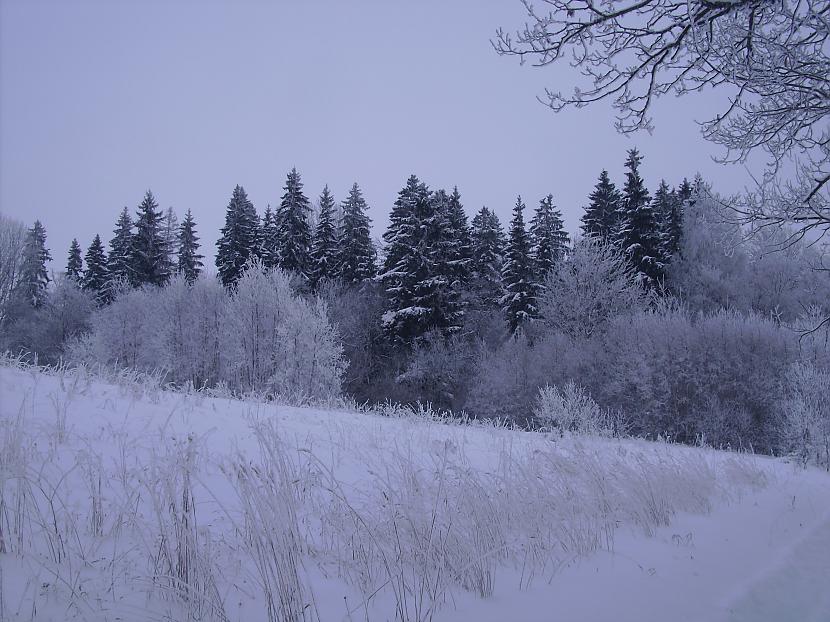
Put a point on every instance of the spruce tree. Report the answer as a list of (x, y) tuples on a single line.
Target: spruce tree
[(548, 238), (268, 250), (118, 260), (292, 229), (600, 217), (668, 210), (238, 242), (34, 278), (74, 263), (458, 237), (356, 252), (149, 263), (638, 234), (324, 242), (420, 296), (519, 299), (488, 245), (96, 276), (445, 229), (189, 262)]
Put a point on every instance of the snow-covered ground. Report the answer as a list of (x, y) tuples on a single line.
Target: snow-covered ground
[(123, 502)]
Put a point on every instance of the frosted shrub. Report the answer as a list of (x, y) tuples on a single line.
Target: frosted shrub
[(193, 330), (260, 338), (125, 333), (583, 294), (806, 412), (569, 409), (278, 342)]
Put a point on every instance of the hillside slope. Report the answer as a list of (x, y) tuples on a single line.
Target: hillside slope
[(122, 501)]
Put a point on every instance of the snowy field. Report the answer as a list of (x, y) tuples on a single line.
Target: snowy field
[(124, 502)]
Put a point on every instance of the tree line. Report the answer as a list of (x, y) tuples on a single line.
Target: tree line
[(672, 319), (435, 264)]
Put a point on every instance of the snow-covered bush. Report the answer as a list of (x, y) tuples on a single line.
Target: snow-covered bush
[(260, 337), (715, 377), (278, 342), (591, 287), (127, 333), (806, 410), (44, 332), (192, 332), (437, 371), (568, 409)]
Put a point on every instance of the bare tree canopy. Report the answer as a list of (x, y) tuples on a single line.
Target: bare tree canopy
[(771, 54)]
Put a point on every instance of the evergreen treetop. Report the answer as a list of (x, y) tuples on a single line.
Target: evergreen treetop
[(519, 299), (323, 253), (292, 228), (600, 217), (189, 262), (548, 237), (237, 244), (96, 276), (149, 263), (356, 254), (488, 245), (638, 234), (268, 251), (419, 293), (121, 244), (74, 262), (34, 277), (459, 240)]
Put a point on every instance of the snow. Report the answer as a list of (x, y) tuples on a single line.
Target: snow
[(748, 537)]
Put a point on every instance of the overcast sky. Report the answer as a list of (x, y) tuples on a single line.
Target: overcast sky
[(100, 101)]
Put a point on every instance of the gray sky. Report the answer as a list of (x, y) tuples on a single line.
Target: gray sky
[(101, 100)]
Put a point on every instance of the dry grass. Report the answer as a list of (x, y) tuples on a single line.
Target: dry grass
[(163, 527)]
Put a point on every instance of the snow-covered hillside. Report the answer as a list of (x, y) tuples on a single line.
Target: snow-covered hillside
[(124, 502)]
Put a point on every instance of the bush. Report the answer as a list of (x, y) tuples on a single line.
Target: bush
[(259, 338), (569, 409), (806, 411), (589, 289)]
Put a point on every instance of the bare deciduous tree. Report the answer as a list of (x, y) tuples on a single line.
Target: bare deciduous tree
[(772, 55), (585, 292), (12, 240)]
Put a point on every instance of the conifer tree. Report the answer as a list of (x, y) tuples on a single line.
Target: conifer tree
[(96, 276), (519, 299), (74, 263), (403, 265), (189, 262), (488, 245), (668, 210), (292, 229), (148, 260), (118, 260), (600, 217), (459, 240), (419, 294), (548, 238), (324, 242), (268, 251), (638, 234), (238, 242), (356, 252), (31, 288), (446, 246)]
